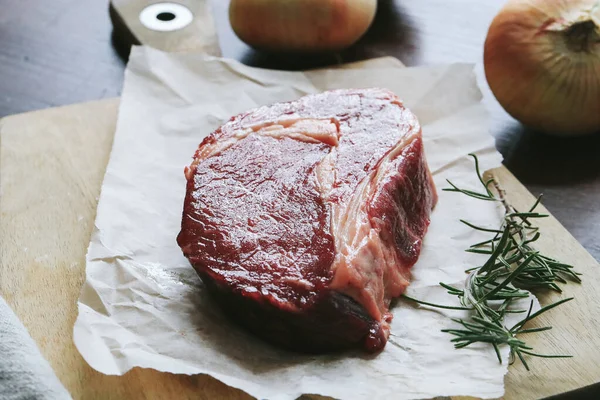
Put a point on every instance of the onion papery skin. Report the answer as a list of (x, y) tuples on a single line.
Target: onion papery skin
[(301, 26), (542, 62)]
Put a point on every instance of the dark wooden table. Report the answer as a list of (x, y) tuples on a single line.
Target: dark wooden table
[(61, 52)]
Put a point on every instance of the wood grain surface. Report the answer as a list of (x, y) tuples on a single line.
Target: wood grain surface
[(418, 32), (52, 164), (575, 324), (54, 53), (199, 35), (61, 52)]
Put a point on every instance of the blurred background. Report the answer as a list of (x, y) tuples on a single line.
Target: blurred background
[(65, 51)]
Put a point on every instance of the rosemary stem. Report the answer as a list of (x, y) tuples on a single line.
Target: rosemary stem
[(491, 289)]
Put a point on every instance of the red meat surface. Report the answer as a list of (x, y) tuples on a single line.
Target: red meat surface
[(304, 219)]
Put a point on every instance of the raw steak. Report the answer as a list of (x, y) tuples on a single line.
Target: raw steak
[(304, 218)]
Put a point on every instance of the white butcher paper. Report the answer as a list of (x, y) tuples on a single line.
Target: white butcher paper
[(142, 304)]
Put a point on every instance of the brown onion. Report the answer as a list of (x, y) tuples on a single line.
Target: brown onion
[(542, 62), (301, 25)]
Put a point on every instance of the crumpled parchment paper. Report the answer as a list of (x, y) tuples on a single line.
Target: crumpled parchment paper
[(143, 305)]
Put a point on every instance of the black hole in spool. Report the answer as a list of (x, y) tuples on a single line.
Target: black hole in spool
[(165, 16)]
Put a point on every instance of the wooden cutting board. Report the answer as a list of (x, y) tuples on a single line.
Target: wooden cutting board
[(51, 171), (156, 24)]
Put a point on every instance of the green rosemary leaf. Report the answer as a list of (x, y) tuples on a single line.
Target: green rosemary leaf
[(479, 228), (522, 359), (487, 242), (435, 305), (489, 325), (525, 215), (491, 289), (451, 288), (487, 186), (497, 350), (536, 204), (460, 332), (479, 251), (510, 277), (545, 355), (480, 176), (540, 312), (497, 252), (532, 239), (463, 323), (532, 330), (470, 193)]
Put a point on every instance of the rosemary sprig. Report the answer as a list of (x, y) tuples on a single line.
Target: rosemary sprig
[(492, 289)]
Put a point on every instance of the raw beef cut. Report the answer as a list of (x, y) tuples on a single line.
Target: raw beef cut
[(303, 219)]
